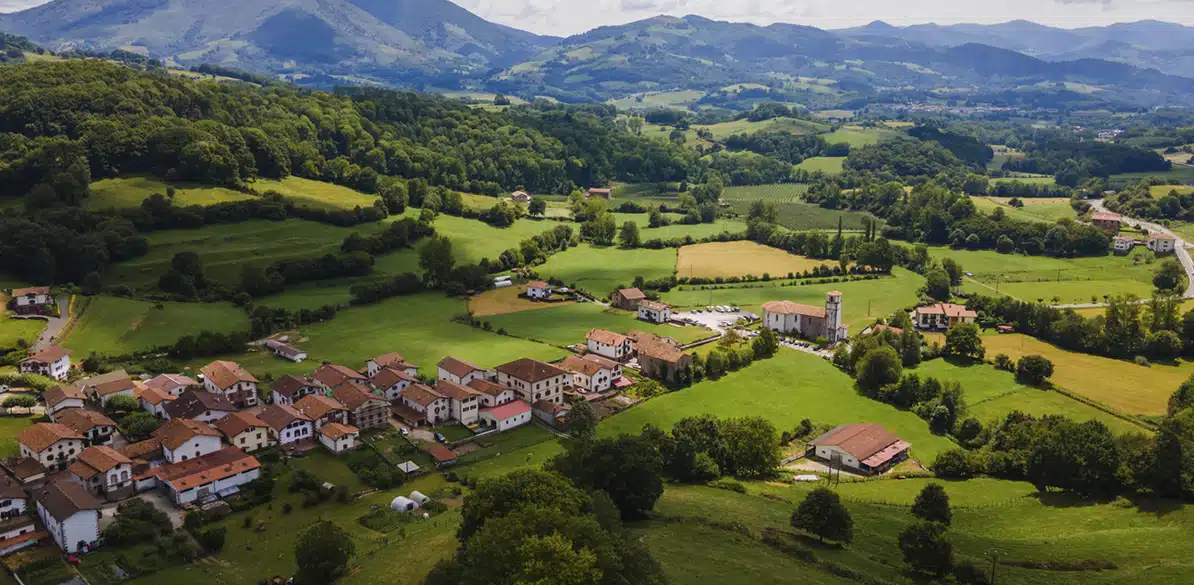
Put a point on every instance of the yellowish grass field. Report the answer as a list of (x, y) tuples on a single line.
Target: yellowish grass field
[(131, 191), (1158, 191), (1121, 385), (739, 259), (316, 193), (505, 300)]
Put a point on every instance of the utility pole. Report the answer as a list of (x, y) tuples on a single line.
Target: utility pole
[(993, 554)]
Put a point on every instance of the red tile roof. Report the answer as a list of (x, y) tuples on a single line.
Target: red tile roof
[(859, 440), (277, 416), (580, 365), (529, 370), (606, 337), (83, 420), (507, 410), (317, 406), (458, 368), (336, 431), (422, 395), (63, 498), (389, 360), (537, 284), (238, 422), (790, 308), (332, 375), (491, 388), (58, 394), (632, 294), (33, 290), (387, 377), (600, 360), (289, 386), (354, 396), (652, 306), (153, 396), (440, 453), (96, 460), (225, 374), (167, 382), (42, 435), (49, 355), (180, 430), (455, 391), (216, 466), (947, 309)]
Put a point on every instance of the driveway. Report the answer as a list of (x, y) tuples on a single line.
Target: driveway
[(419, 433), (54, 326), (1183, 255)]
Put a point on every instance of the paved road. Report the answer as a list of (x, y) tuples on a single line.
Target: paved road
[(1183, 255), (54, 326)]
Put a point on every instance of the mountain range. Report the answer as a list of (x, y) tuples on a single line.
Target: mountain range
[(436, 44)]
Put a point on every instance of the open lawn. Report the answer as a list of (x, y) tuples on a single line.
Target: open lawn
[(1072, 280), (779, 193), (663, 99), (857, 136), (1158, 191), (830, 165), (784, 389), (318, 194), (798, 215), (1177, 175), (602, 270), (863, 301), (566, 325), (1047, 209), (117, 326), (991, 394), (694, 231), (14, 330), (1121, 385), (795, 126), (131, 191), (473, 239), (741, 258), (10, 427), (1026, 178), (501, 301)]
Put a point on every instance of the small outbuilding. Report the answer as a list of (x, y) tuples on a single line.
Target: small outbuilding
[(419, 498), (403, 504)]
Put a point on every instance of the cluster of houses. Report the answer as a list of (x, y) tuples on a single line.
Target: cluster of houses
[(1158, 242)]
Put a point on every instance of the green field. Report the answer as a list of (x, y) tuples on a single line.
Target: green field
[(677, 230), (473, 239), (781, 193), (863, 301), (568, 324), (1177, 175), (666, 99), (784, 389), (857, 136), (798, 215), (1072, 280), (14, 330), (117, 326), (1032, 179), (131, 191), (1047, 210), (10, 427), (830, 165), (795, 126), (316, 194), (741, 258), (601, 270), (1158, 191)]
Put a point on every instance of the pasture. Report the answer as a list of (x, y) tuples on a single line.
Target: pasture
[(663, 99), (316, 194), (500, 301), (473, 240), (830, 165), (863, 301), (1046, 209), (779, 193), (784, 389), (14, 330), (1026, 178), (117, 326), (857, 136), (569, 324), (793, 125), (1179, 174), (131, 191), (798, 215), (1120, 385), (602, 270), (1158, 191), (743, 258), (1071, 280), (678, 230)]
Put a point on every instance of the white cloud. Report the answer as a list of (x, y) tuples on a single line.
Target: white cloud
[(15, 5)]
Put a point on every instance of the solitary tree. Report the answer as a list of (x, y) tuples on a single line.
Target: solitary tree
[(581, 421), (322, 552), (537, 206), (1169, 277), (932, 505), (822, 514), (1033, 370), (879, 367), (963, 340), (628, 235), (926, 549)]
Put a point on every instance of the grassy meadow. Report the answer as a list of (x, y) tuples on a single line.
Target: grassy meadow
[(857, 136), (602, 270), (830, 165), (568, 324), (131, 191), (798, 215), (1072, 280), (14, 330), (740, 258), (1046, 209), (117, 326), (780, 193), (316, 194)]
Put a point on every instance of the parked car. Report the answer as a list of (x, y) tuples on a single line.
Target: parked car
[(441, 438), (404, 432)]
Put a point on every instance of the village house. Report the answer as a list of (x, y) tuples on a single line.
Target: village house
[(506, 416), (104, 472), (96, 428), (285, 350), (465, 402), (600, 192), (119, 387), (339, 438), (172, 384), (520, 197), (1106, 221), (555, 415), (392, 360), (232, 381), (154, 401), (245, 431), (289, 389), (206, 478), (608, 344), (861, 448), (30, 301), (200, 406), (366, 409), (287, 425), (662, 361), (183, 438), (17, 528), (627, 298), (87, 385), (492, 393), (654, 312), (51, 362), (70, 514), (460, 371), (53, 445), (809, 322), (588, 375), (61, 398), (537, 290), (390, 382), (534, 380), (420, 404), (943, 316), (1161, 243), (322, 410), (331, 376), (614, 367), (1122, 244)]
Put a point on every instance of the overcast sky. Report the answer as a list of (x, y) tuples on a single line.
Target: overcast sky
[(566, 17)]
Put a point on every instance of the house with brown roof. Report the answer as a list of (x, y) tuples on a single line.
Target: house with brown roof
[(391, 381), (589, 375), (1161, 243), (419, 404), (492, 393), (199, 405), (1106, 221), (183, 438), (104, 472), (143, 452), (51, 362), (601, 192), (861, 448), (460, 371), (287, 425), (290, 389), (943, 316), (331, 376), (87, 385), (339, 438), (24, 469), (231, 381), (627, 298), (53, 445), (322, 410), (390, 360), (17, 529), (520, 197), (663, 361), (366, 409), (809, 322), (534, 380), (537, 290), (96, 428), (63, 397), (118, 387), (614, 346), (285, 350), (654, 312), (464, 401), (172, 384), (211, 476), (154, 400), (555, 415), (29, 301), (245, 431), (70, 514)]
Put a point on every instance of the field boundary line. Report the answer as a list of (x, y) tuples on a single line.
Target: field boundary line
[(1100, 406)]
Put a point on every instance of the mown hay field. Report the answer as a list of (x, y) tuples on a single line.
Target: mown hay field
[(741, 258)]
